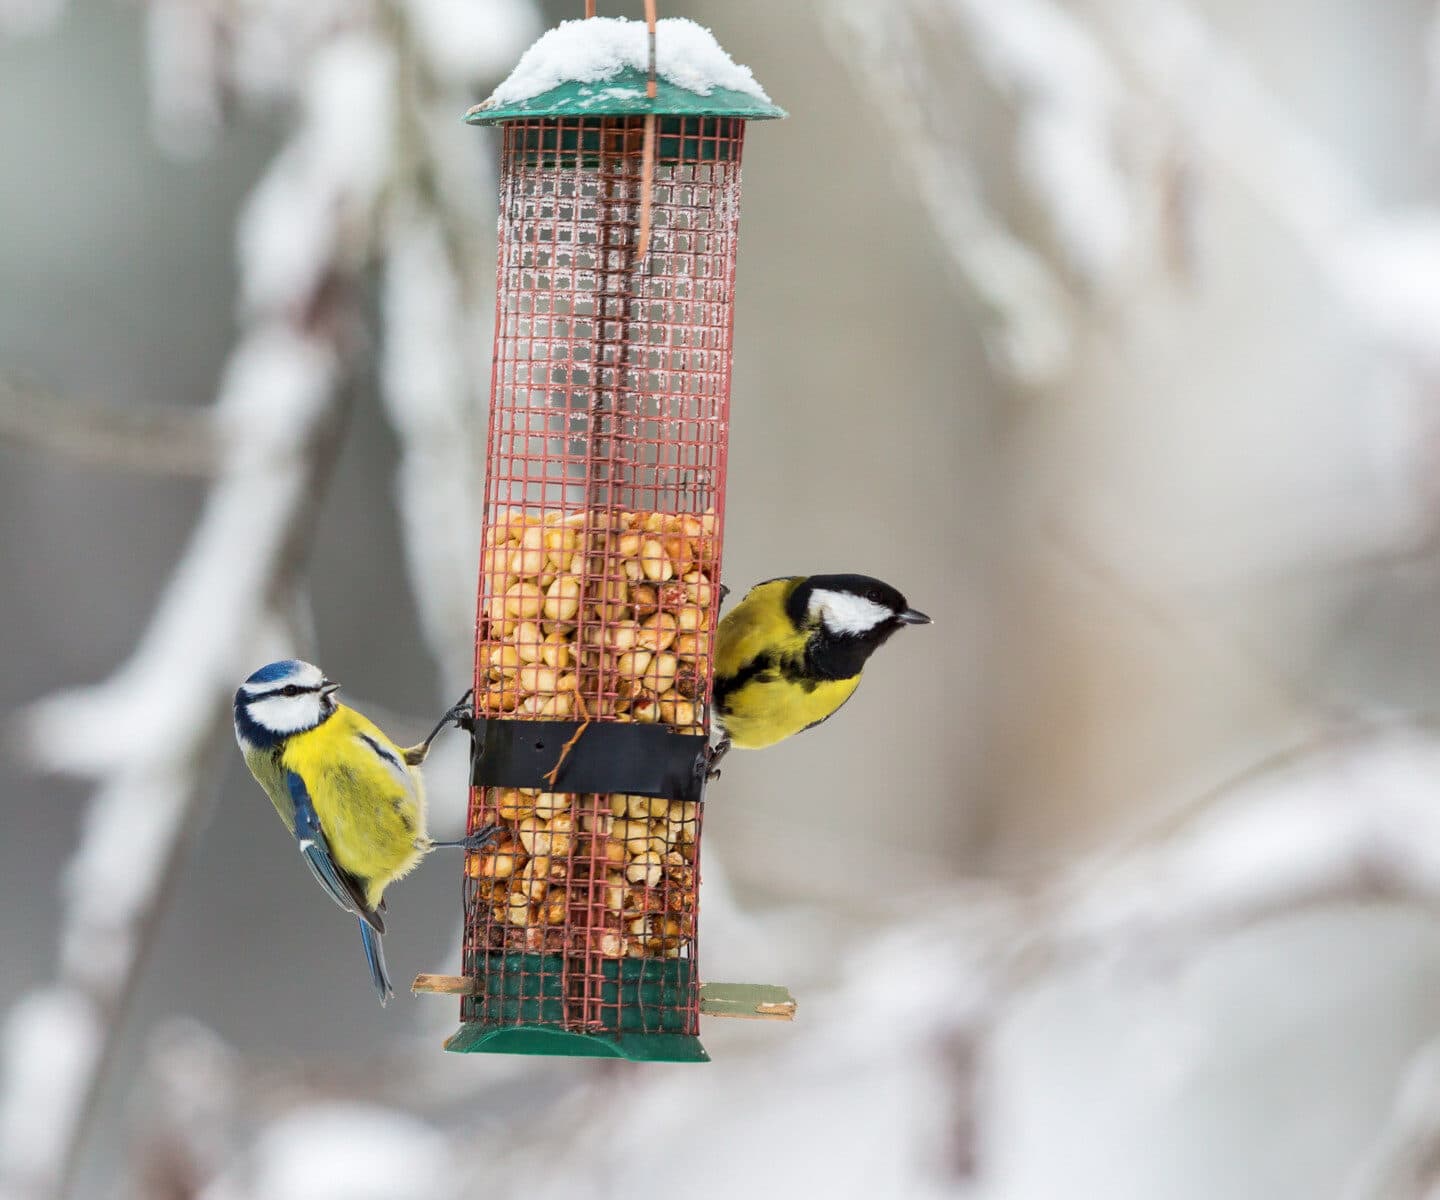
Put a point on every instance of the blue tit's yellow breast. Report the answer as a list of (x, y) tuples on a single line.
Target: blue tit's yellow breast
[(371, 806), (265, 765)]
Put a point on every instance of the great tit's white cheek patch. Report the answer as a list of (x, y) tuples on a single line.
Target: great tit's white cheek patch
[(844, 612)]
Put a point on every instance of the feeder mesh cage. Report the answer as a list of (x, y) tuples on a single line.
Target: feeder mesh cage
[(599, 583)]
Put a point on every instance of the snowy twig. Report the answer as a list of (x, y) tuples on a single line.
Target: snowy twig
[(158, 763), (1024, 301), (191, 1092), (1067, 102), (312, 222), (156, 438), (1229, 116), (279, 410)]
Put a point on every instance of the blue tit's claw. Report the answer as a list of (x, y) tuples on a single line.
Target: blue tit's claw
[(481, 838), (473, 843), (461, 715)]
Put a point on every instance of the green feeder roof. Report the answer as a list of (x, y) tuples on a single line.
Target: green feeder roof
[(624, 96), (599, 67)]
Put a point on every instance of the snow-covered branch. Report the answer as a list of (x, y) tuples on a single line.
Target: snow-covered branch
[(1023, 300), (149, 734), (351, 186)]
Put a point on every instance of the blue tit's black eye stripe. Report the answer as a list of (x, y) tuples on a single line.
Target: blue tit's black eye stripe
[(290, 689)]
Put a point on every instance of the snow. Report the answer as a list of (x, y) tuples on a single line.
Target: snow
[(318, 189), (1388, 270), (466, 40), (1066, 100), (595, 50), (1027, 333), (51, 1041), (182, 40), (345, 1152), (1343, 822), (29, 18), (425, 388)]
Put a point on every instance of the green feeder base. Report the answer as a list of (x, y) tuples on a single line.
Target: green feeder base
[(519, 1007), (474, 1038)]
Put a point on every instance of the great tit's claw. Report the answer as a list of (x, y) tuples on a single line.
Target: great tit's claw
[(713, 755)]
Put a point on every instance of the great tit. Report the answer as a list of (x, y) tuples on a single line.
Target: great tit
[(351, 797), (791, 652)]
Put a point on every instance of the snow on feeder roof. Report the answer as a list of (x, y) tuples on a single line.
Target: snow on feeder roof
[(599, 67)]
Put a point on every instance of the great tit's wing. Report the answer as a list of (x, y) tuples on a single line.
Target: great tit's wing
[(340, 885)]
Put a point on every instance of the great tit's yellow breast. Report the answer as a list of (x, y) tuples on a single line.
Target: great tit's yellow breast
[(765, 711), (371, 811)]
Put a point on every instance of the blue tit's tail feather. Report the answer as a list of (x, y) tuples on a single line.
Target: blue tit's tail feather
[(375, 957)]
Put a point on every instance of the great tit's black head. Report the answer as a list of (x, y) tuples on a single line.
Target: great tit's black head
[(852, 608), (280, 699)]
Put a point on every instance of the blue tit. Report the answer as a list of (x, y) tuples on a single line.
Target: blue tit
[(791, 653), (351, 797)]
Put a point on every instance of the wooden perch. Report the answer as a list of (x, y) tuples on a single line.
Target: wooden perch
[(444, 985), (747, 1001)]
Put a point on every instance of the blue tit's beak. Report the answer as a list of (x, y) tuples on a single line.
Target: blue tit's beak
[(912, 616), (328, 688)]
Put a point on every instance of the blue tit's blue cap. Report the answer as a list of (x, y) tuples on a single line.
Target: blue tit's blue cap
[(272, 672)]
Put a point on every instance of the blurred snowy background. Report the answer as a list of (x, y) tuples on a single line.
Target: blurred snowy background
[(1109, 330)]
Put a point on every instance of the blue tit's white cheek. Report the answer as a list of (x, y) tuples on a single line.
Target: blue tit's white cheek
[(286, 714), (846, 613)]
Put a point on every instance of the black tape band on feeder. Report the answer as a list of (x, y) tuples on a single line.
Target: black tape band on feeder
[(608, 758)]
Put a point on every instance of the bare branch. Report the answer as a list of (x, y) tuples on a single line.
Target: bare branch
[(155, 438)]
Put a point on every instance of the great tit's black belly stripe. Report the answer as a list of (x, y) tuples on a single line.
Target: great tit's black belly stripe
[(791, 670), (727, 685)]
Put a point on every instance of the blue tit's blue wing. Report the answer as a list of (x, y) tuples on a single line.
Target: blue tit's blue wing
[(375, 958), (340, 885)]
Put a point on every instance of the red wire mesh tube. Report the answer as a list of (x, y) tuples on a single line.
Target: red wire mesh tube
[(599, 584)]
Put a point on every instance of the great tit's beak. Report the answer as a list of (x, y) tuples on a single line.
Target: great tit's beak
[(912, 616), (329, 688)]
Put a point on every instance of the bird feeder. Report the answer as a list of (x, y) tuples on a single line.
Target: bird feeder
[(602, 539)]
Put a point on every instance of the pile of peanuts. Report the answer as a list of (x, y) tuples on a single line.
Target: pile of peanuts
[(626, 861), (614, 607)]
